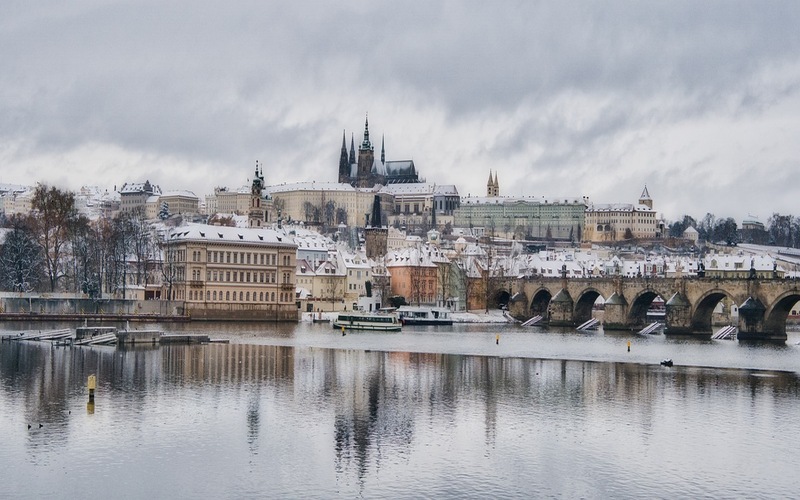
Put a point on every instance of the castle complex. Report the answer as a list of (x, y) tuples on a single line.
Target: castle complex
[(366, 171)]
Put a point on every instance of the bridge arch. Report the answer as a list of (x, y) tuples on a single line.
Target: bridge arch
[(637, 313), (585, 305), (540, 303), (775, 316), (502, 298), (704, 309)]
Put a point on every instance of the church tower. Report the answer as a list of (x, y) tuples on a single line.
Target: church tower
[(255, 217), (344, 163), (366, 158), (645, 199), (492, 186)]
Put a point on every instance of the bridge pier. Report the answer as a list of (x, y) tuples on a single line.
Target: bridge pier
[(678, 318), (615, 314), (561, 309), (752, 324)]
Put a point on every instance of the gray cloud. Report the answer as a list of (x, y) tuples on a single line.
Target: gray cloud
[(560, 98)]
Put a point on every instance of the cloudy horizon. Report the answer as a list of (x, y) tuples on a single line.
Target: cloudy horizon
[(698, 101)]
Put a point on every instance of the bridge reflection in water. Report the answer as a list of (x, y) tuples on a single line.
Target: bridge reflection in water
[(763, 304)]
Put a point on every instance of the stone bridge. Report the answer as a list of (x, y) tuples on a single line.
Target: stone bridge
[(764, 303)]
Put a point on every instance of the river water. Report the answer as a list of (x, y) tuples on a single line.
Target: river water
[(469, 411)]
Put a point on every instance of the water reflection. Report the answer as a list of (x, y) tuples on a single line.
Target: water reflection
[(398, 423)]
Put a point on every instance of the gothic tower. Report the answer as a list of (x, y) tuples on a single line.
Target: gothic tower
[(344, 163), (366, 158), (375, 236)]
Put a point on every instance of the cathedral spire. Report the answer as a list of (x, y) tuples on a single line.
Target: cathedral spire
[(344, 164), (383, 150), (352, 148), (366, 144)]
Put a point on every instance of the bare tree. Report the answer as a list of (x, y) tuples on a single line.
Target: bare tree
[(53, 213), (142, 247), (169, 267), (329, 213), (443, 277)]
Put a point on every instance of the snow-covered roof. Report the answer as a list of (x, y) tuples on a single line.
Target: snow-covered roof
[(139, 187), (179, 192), (312, 186), (420, 188), (509, 200), (205, 232), (618, 207), (14, 188)]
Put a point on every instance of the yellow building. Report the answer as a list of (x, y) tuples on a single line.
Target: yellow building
[(226, 273), (322, 202), (621, 221)]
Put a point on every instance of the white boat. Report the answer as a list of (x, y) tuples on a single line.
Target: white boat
[(421, 315), (383, 321)]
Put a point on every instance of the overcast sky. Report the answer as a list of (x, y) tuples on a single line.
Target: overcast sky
[(700, 101)]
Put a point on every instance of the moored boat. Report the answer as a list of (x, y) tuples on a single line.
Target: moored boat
[(421, 315), (383, 321)]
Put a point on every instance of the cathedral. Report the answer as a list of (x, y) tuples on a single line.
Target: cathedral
[(367, 171)]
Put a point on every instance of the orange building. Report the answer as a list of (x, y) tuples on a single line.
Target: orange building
[(415, 274)]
